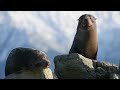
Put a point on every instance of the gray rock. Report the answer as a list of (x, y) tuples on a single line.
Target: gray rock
[(101, 73), (114, 76), (107, 66), (76, 66)]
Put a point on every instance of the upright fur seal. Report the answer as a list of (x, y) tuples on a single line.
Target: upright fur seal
[(86, 38)]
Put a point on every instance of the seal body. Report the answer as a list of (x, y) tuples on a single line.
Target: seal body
[(86, 38), (25, 59)]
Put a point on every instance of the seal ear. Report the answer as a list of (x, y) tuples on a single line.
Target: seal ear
[(95, 18), (79, 20)]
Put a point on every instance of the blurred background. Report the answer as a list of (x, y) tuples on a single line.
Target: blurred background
[(53, 32)]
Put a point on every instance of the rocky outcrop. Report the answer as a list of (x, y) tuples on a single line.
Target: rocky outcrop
[(76, 66), (27, 63)]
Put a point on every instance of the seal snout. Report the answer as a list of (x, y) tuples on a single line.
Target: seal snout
[(88, 22), (43, 64)]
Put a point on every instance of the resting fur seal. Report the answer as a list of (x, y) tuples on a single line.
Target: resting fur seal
[(86, 38), (25, 58)]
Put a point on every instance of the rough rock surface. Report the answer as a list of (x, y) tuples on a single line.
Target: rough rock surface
[(76, 66)]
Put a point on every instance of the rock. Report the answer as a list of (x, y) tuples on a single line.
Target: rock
[(73, 66), (104, 70), (76, 66), (114, 76), (27, 63), (101, 73), (106, 65)]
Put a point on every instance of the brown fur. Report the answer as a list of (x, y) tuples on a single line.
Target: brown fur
[(25, 58), (86, 38)]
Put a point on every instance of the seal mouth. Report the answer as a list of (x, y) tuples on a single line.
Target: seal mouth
[(87, 26)]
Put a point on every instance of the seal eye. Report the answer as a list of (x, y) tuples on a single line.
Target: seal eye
[(92, 19), (37, 65)]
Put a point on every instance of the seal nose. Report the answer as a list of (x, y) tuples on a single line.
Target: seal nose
[(88, 21)]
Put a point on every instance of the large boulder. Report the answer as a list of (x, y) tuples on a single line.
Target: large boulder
[(76, 66), (28, 63)]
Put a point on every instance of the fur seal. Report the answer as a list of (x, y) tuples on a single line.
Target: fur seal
[(86, 39), (25, 59)]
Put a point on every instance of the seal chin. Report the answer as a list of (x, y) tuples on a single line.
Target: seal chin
[(86, 27)]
